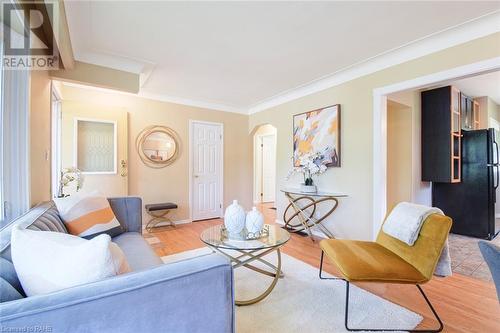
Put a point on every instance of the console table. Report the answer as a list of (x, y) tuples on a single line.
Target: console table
[(299, 214)]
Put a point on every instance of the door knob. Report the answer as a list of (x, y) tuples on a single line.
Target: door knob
[(123, 165)]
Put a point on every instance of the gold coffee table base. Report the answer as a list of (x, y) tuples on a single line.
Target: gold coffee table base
[(243, 251), (255, 255)]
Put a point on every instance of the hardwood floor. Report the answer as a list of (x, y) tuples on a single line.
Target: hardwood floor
[(464, 304)]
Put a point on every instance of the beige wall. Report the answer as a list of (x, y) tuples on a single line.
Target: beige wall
[(421, 192), (353, 218), (493, 110), (99, 76), (171, 183), (488, 109), (399, 153), (40, 98)]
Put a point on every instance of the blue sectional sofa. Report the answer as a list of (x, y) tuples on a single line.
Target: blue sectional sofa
[(194, 295)]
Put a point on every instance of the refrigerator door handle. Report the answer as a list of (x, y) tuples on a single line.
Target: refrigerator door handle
[(496, 147), (498, 175), (496, 165)]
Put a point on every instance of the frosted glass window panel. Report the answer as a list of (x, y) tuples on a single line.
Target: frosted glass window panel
[(96, 146)]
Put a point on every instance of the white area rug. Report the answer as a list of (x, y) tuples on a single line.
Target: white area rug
[(301, 302)]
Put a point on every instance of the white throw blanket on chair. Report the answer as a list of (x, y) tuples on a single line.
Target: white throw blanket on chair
[(405, 222)]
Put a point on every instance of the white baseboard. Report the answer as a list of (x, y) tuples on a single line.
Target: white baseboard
[(314, 231), (165, 223)]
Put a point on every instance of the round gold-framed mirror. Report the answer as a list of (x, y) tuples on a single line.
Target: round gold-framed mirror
[(157, 146)]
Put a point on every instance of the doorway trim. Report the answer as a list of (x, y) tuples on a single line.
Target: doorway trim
[(257, 198), (380, 125), (221, 165)]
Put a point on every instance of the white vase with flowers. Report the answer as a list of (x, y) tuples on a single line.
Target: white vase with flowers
[(308, 165)]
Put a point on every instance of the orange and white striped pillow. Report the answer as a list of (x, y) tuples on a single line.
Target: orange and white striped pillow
[(88, 215)]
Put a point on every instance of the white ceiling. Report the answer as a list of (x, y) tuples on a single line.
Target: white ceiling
[(235, 55), (481, 85)]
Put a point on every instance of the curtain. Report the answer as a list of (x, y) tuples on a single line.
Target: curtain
[(15, 144)]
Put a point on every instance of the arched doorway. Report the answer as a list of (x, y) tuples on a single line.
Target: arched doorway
[(264, 142)]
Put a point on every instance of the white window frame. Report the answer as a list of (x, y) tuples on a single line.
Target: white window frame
[(115, 145), (56, 151), (15, 169), (15, 187), (2, 199)]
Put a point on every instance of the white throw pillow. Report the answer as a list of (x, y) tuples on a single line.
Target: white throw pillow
[(48, 261)]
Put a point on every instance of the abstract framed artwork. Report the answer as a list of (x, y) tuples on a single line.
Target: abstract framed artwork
[(318, 131)]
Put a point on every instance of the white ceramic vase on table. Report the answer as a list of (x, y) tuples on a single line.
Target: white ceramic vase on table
[(308, 188), (254, 221), (234, 218)]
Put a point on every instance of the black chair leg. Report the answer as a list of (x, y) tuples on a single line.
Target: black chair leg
[(321, 269), (379, 329), (390, 329)]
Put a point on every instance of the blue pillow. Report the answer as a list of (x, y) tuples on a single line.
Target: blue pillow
[(8, 273), (7, 292)]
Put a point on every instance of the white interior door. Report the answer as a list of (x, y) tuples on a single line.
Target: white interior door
[(96, 142), (206, 170), (268, 168)]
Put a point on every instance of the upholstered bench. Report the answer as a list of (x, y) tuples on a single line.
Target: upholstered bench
[(158, 213)]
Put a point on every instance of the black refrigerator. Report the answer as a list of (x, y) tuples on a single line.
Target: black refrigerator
[(471, 203)]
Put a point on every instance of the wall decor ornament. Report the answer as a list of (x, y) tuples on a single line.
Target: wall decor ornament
[(318, 132), (234, 219), (158, 146), (254, 221)]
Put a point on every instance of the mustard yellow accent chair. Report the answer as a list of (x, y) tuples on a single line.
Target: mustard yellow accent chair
[(388, 260)]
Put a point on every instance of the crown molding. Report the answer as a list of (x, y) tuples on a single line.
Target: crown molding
[(192, 102), (459, 34)]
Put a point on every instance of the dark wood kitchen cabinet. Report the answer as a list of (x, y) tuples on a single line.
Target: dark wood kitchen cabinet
[(469, 110), (441, 135)]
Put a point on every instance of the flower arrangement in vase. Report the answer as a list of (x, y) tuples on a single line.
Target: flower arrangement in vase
[(69, 175), (309, 165)]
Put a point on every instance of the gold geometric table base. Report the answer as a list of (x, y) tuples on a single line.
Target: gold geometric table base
[(302, 217), (255, 255)]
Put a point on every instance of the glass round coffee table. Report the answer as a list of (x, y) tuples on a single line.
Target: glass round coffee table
[(242, 252)]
